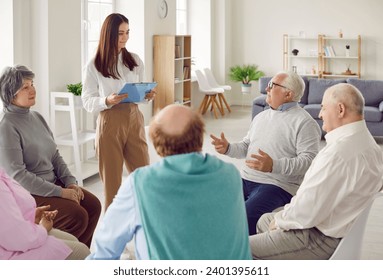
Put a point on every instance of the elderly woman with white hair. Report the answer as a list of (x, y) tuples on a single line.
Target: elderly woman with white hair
[(29, 155)]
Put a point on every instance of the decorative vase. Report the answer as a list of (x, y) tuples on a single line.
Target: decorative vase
[(77, 100), (347, 50), (246, 88)]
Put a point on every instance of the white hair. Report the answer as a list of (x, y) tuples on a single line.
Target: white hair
[(295, 83)]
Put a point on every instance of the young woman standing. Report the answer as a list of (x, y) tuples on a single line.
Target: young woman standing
[(120, 126)]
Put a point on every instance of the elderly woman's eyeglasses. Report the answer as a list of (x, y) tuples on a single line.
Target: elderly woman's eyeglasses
[(271, 84)]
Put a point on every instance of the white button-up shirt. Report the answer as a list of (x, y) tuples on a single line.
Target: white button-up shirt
[(96, 87), (339, 184)]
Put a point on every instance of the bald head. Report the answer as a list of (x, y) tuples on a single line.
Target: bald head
[(348, 95), (341, 104), (176, 129), (173, 119)]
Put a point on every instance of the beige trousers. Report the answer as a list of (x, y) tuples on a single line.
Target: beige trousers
[(120, 139), (79, 250), (299, 244)]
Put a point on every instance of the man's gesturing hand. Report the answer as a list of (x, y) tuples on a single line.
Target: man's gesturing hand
[(220, 144)]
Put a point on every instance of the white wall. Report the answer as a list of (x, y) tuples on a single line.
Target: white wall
[(6, 34), (201, 32), (221, 42), (22, 23), (134, 10), (258, 27), (64, 43)]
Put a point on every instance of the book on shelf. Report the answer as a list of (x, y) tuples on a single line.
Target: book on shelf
[(326, 51), (332, 51), (186, 72), (329, 51), (178, 51)]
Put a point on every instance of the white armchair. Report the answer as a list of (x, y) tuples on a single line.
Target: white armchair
[(349, 248)]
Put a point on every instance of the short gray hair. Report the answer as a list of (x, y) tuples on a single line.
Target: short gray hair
[(295, 83), (11, 81), (348, 95)]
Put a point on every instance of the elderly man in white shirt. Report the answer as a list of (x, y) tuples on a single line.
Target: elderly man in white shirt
[(339, 184)]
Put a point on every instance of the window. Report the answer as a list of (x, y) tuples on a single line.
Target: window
[(181, 14), (94, 13), (198, 18)]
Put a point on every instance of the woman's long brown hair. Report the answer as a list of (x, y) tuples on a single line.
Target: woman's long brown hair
[(107, 51)]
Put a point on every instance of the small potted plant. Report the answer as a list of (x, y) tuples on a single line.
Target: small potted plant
[(76, 90), (245, 74)]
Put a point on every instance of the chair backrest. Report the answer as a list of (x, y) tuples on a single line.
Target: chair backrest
[(212, 81), (350, 247), (203, 83), (210, 78)]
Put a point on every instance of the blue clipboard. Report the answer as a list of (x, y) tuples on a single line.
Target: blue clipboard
[(136, 91)]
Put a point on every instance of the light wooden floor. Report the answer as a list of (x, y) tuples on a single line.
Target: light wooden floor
[(235, 126)]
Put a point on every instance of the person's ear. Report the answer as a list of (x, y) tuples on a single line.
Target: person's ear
[(289, 95), (341, 110)]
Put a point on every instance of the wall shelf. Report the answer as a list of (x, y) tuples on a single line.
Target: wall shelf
[(339, 61), (79, 138), (314, 58)]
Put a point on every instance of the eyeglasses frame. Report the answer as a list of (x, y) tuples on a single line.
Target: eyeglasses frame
[(271, 84)]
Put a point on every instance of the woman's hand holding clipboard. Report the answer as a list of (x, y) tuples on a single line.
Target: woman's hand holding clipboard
[(137, 92)]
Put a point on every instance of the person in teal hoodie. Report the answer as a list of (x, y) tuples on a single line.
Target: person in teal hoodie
[(187, 206)]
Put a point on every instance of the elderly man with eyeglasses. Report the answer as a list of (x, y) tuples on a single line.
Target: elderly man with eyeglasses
[(279, 147)]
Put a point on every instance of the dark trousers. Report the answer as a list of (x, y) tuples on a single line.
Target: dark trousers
[(261, 199), (79, 220)]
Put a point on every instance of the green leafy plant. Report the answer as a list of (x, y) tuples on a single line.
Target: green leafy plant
[(75, 88), (245, 73)]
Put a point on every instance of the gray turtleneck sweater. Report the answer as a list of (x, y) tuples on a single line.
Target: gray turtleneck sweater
[(29, 153)]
